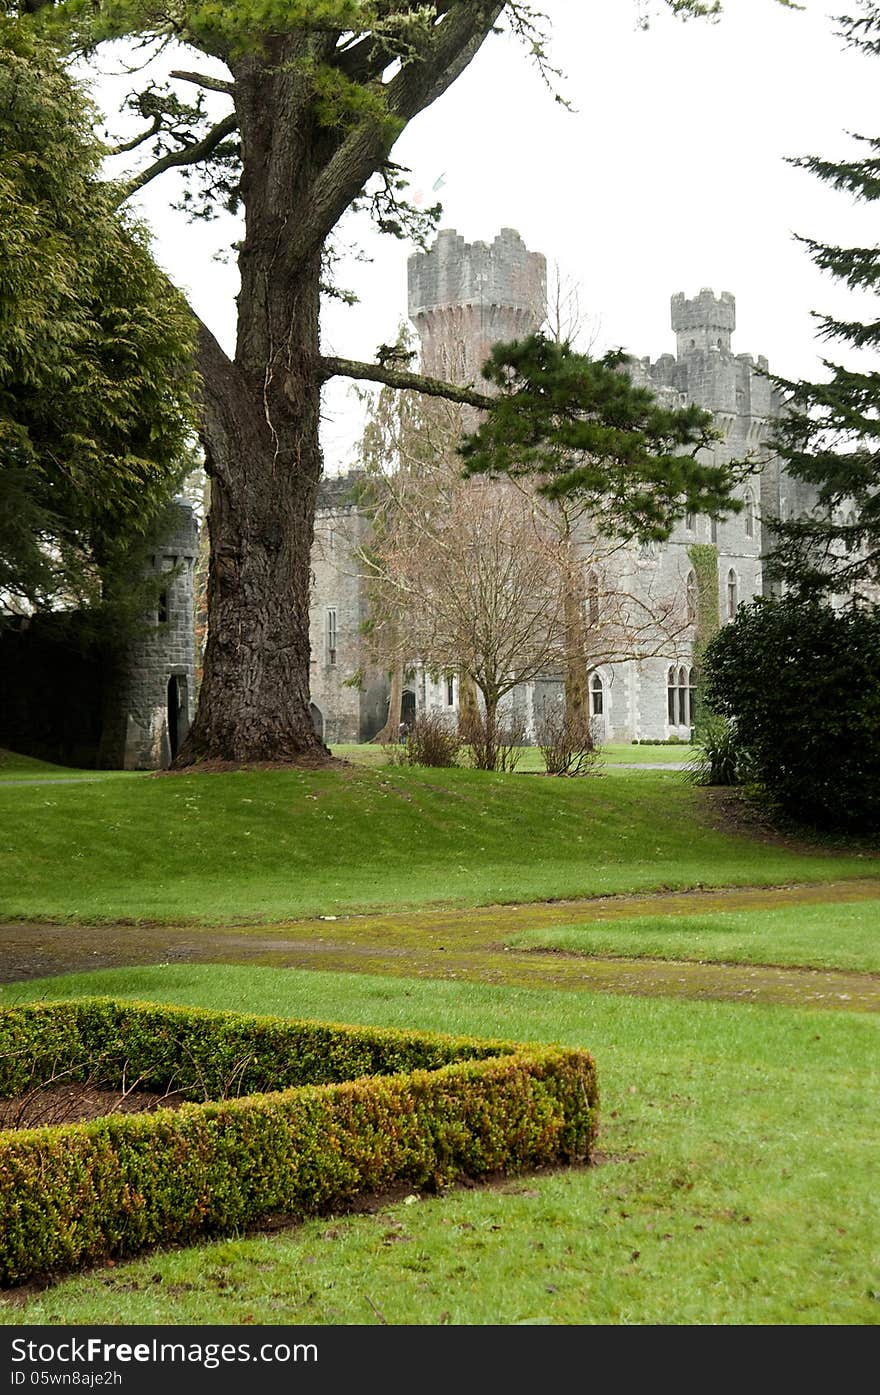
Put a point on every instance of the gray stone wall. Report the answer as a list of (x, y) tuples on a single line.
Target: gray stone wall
[(150, 707)]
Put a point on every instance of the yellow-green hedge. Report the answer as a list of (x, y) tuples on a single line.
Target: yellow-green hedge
[(341, 1110)]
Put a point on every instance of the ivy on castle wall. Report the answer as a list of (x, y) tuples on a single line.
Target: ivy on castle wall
[(704, 560)]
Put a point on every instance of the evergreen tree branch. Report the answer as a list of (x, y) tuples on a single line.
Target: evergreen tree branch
[(187, 155)]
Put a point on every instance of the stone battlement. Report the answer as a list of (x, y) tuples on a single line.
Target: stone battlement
[(456, 273)]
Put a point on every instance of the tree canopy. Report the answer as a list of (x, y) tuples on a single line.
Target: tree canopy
[(96, 367), (583, 429), (829, 436)]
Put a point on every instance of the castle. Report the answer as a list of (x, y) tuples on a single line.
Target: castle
[(464, 297)]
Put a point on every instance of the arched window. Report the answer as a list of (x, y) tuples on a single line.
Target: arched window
[(597, 696), (691, 595), (593, 598), (671, 698), (713, 530), (749, 513), (732, 597), (682, 697)]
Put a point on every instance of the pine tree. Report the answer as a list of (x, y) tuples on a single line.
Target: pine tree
[(829, 436)]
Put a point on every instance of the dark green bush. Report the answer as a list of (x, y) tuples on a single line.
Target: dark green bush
[(424, 1110), (801, 683)]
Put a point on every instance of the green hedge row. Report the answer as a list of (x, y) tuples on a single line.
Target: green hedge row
[(426, 1111)]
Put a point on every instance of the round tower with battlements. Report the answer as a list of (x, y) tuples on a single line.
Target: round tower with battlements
[(466, 296)]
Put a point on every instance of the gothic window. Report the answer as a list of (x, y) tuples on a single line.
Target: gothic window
[(713, 531), (671, 697), (732, 597), (330, 634), (691, 594), (682, 697), (690, 521), (162, 608), (597, 696), (450, 690), (593, 598), (749, 513)]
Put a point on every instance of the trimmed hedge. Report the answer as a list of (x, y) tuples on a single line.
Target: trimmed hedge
[(423, 1109)]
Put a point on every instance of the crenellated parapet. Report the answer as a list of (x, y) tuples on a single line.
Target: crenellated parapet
[(466, 296)]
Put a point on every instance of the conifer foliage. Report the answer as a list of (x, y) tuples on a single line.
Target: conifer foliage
[(96, 372), (830, 435)]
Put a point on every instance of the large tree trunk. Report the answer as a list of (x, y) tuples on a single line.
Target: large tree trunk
[(260, 430), (391, 729), (577, 673)]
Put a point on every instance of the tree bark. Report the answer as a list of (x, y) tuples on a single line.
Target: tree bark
[(391, 729)]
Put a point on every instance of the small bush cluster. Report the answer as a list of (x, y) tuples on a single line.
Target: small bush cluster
[(339, 1110), (566, 745), (493, 745), (431, 740)]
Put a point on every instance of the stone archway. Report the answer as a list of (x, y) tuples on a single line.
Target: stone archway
[(317, 720)]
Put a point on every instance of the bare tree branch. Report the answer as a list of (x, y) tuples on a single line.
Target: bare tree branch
[(187, 155), (402, 378), (203, 80)]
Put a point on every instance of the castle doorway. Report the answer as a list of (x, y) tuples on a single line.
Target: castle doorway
[(317, 720), (178, 712), (408, 709)]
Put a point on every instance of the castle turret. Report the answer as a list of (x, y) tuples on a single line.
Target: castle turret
[(704, 323), (465, 297)]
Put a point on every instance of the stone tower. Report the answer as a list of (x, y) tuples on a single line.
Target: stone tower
[(150, 706), (465, 297)]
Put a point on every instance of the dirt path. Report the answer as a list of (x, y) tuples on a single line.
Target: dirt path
[(464, 944)]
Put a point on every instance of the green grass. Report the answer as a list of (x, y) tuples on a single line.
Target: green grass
[(14, 766), (821, 937), (737, 1183), (620, 753), (272, 845)]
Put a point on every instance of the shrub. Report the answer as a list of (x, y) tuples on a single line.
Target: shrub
[(801, 683), (494, 745), (717, 759), (341, 1110), (431, 741), (566, 745)]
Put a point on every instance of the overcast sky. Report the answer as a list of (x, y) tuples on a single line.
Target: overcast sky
[(669, 175)]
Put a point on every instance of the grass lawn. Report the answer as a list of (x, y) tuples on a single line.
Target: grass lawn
[(621, 753), (737, 1181), (831, 936), (17, 767), (271, 845)]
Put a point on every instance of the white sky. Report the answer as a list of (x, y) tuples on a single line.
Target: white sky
[(668, 176)]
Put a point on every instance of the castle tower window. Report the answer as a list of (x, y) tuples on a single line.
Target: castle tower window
[(749, 513), (330, 635), (690, 520), (691, 596), (450, 690), (682, 697), (732, 596), (713, 530), (671, 697), (597, 696), (593, 598), (162, 608)]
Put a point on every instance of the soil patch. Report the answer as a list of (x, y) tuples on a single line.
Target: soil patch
[(74, 1103)]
